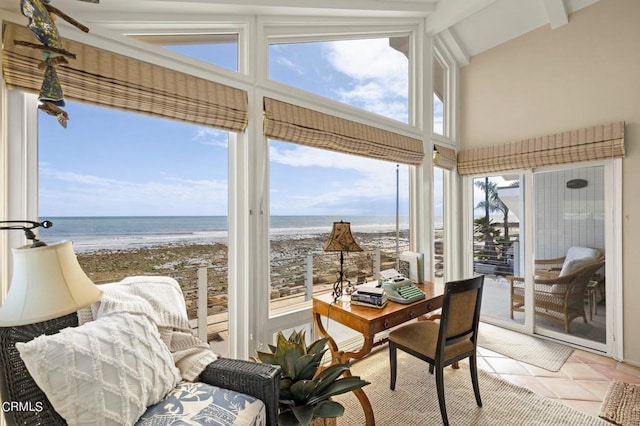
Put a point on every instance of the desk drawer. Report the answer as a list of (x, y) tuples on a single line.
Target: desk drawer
[(408, 314)]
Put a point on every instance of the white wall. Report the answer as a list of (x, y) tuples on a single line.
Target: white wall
[(566, 217), (548, 81)]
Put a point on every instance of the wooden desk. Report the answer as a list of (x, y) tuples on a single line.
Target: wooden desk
[(368, 322)]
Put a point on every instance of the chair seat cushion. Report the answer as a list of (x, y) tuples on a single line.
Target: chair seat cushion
[(422, 337), (203, 404)]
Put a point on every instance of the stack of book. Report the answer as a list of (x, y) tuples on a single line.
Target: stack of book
[(371, 296)]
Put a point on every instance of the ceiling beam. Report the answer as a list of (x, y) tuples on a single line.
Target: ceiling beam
[(556, 13), (415, 6), (450, 12)]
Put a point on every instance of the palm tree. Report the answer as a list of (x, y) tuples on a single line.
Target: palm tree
[(493, 203)]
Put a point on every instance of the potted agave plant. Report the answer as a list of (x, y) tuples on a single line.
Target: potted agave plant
[(305, 392)]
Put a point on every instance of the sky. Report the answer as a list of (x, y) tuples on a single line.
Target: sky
[(113, 163)]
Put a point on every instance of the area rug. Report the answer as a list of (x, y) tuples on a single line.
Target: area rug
[(415, 402), (621, 404), (532, 350)]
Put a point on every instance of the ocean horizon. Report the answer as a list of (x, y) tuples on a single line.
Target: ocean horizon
[(91, 233)]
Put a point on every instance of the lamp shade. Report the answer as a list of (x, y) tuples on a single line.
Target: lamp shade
[(47, 283), (341, 238)]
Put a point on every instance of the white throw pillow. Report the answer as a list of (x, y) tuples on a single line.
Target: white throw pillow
[(105, 372)]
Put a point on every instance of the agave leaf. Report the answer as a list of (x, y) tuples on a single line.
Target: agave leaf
[(287, 418), (289, 402), (328, 409), (292, 354), (303, 413), (309, 371), (267, 358), (317, 346), (328, 376), (272, 348), (306, 367), (338, 387), (301, 390)]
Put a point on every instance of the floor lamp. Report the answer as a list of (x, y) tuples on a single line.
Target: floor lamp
[(341, 241)]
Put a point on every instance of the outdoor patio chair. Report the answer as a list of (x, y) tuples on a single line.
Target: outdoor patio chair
[(558, 297), (447, 342), (576, 256)]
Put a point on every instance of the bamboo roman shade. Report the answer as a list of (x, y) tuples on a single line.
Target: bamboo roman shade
[(109, 79), (292, 123), (591, 143), (444, 157)]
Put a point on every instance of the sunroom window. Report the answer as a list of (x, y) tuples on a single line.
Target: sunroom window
[(370, 74), (216, 49), (312, 188)]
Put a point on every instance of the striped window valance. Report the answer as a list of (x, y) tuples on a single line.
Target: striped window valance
[(292, 123), (591, 143), (444, 157), (109, 79)]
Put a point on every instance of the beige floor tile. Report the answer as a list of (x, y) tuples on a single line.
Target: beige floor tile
[(591, 358), (567, 389), (581, 371), (614, 374), (507, 366), (541, 372), (484, 365), (589, 407), (598, 388), (529, 382), (630, 369), (488, 353)]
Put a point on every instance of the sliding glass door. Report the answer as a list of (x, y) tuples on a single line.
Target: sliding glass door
[(539, 237), (569, 243), (497, 237)]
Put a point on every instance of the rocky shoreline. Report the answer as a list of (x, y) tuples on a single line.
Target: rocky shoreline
[(288, 260)]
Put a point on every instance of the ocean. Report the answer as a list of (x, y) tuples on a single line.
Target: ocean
[(128, 232)]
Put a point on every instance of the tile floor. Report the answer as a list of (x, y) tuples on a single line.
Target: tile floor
[(581, 383)]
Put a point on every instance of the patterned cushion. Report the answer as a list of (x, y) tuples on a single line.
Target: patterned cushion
[(105, 372), (203, 404)]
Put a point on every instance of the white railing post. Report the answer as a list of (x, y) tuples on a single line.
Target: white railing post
[(202, 302), (376, 264), (308, 278)]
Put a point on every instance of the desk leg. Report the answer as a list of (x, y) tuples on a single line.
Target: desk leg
[(338, 357)]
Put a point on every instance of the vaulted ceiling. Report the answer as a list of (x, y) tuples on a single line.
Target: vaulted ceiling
[(476, 25)]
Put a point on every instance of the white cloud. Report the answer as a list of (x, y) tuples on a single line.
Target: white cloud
[(72, 194), (376, 180), (289, 64), (214, 137), (379, 74)]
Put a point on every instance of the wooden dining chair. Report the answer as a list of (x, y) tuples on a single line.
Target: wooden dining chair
[(442, 344)]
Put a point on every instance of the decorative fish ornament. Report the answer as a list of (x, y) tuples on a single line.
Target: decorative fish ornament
[(51, 91), (40, 23)]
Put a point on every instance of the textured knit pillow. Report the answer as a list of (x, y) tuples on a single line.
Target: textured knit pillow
[(105, 372)]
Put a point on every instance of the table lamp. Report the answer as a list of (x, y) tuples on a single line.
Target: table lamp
[(341, 240), (47, 282)]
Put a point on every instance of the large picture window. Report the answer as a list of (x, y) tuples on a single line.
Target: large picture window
[(147, 196), (312, 188)]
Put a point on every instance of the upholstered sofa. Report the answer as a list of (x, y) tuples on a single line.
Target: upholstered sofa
[(35, 377)]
